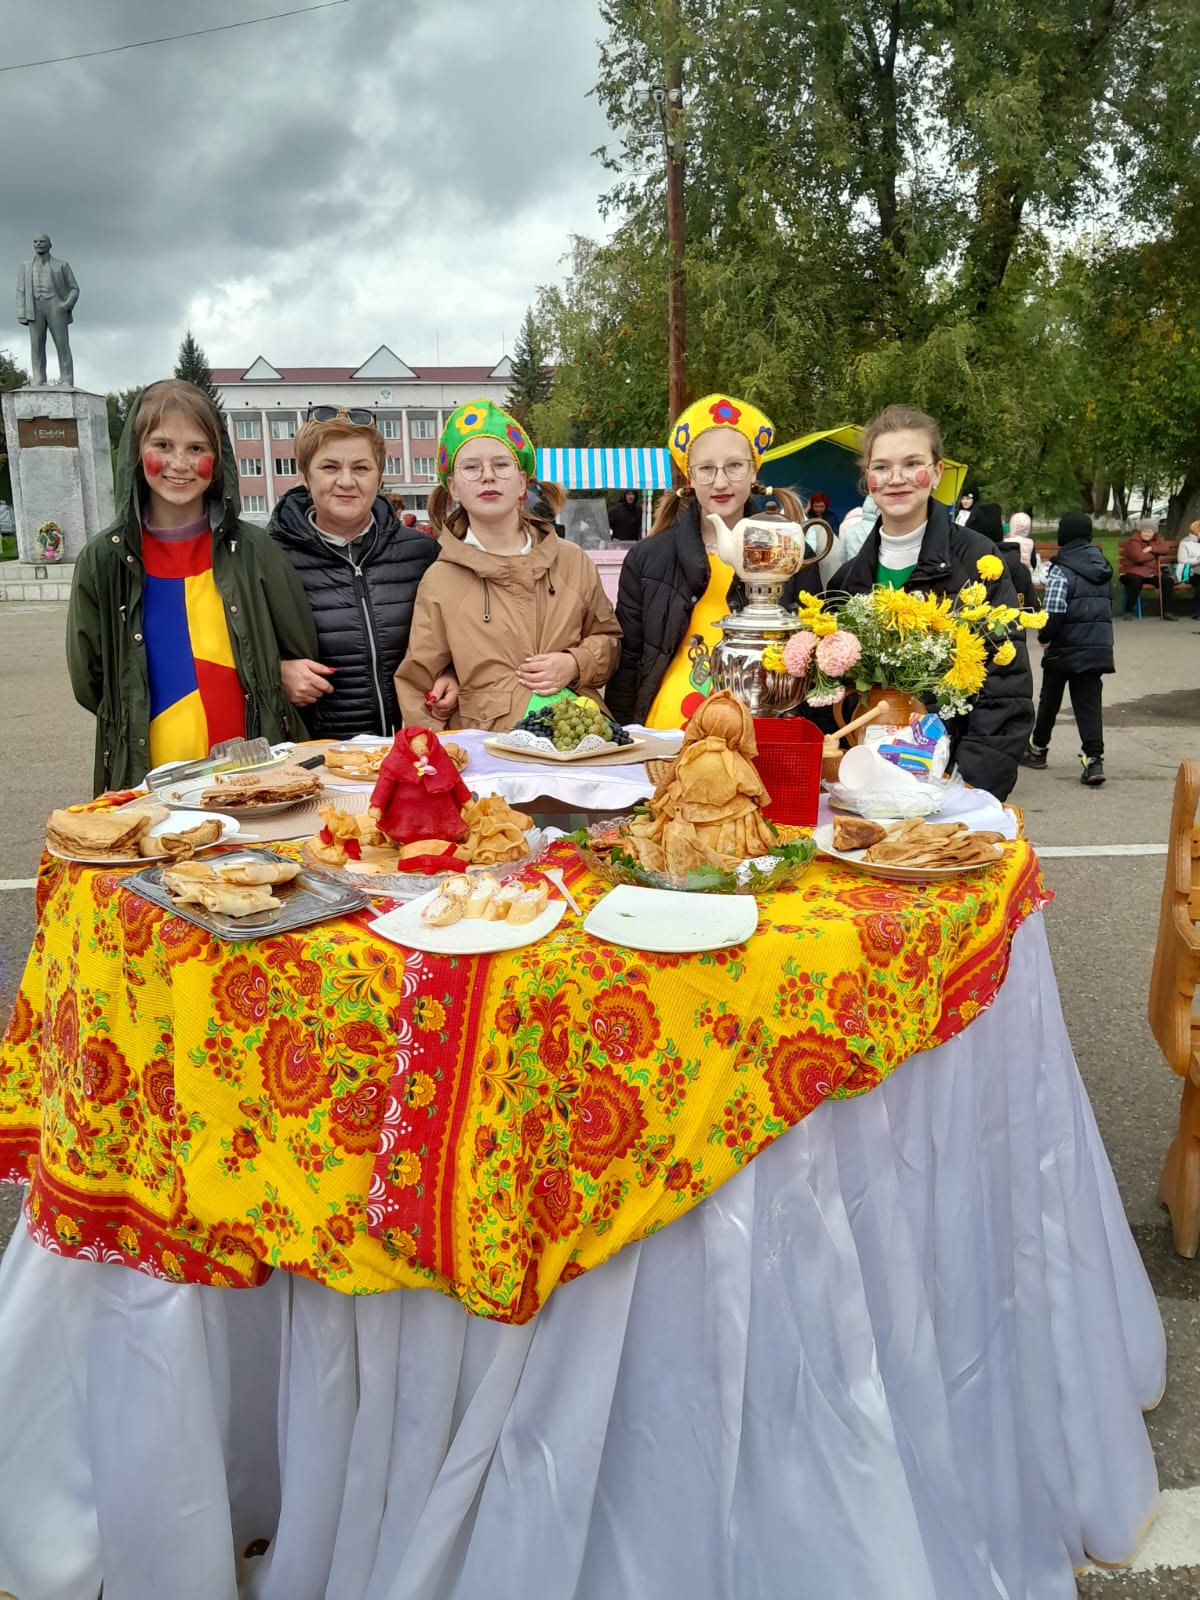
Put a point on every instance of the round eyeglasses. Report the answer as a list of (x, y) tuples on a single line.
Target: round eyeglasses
[(472, 471), (735, 472)]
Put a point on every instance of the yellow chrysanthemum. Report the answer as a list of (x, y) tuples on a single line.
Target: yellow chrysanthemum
[(989, 567), (1033, 619), (939, 614), (972, 594), (808, 602), (1006, 653), (901, 610), (974, 613), (969, 667), (1002, 616), (823, 625)]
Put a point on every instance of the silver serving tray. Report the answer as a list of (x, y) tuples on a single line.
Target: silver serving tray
[(305, 900)]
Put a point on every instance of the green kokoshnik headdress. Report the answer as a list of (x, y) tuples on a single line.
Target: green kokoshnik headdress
[(480, 419)]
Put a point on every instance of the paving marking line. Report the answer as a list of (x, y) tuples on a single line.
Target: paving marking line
[(17, 883), (1055, 851), (1173, 1539)]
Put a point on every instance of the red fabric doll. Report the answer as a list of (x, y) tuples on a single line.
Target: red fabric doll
[(419, 794)]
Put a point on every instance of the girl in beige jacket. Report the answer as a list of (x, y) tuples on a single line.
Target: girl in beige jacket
[(509, 612)]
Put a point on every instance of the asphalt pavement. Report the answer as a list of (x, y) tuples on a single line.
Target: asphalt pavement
[(1102, 927)]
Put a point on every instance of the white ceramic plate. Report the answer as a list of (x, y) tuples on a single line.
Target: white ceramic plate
[(186, 796), (823, 838), (470, 936), (671, 922), (177, 822)]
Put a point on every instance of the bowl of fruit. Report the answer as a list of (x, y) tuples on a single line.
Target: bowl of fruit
[(572, 727)]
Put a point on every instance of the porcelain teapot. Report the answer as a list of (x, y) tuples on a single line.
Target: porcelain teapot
[(765, 551)]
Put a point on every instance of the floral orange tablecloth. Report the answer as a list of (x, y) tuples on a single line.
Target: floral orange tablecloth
[(328, 1103)]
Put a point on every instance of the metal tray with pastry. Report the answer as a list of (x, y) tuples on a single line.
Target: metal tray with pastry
[(246, 894)]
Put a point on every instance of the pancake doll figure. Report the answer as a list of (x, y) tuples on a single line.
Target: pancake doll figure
[(419, 794)]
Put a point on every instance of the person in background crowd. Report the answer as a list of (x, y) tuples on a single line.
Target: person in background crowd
[(853, 533), (966, 504), (183, 619), (986, 519), (915, 546), (515, 613), (360, 565), (408, 519), (818, 505), (674, 587), (1188, 559), (1020, 533), (1078, 637), (625, 518), (1144, 559)]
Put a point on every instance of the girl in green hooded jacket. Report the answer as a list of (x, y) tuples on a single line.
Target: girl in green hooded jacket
[(181, 613)]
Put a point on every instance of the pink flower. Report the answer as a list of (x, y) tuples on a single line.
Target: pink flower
[(826, 699), (798, 653), (837, 653)]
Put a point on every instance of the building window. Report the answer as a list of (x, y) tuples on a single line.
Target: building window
[(285, 466), (423, 466), (422, 428), (389, 427), (247, 427), (394, 466), (250, 467), (254, 502), (283, 427)]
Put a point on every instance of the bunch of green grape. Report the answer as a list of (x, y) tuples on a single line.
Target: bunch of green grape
[(570, 719)]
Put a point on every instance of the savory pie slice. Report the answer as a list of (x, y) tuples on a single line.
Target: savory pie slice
[(856, 833), (275, 786)]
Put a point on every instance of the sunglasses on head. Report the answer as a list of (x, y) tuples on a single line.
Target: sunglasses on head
[(359, 415)]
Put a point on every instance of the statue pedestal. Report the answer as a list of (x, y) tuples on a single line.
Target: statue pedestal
[(61, 465)]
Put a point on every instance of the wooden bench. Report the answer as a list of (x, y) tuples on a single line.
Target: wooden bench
[(1174, 985)]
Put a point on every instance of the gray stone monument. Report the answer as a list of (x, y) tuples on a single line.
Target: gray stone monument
[(46, 296), (58, 449)]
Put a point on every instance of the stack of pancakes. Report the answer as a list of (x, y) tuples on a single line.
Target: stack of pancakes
[(125, 835)]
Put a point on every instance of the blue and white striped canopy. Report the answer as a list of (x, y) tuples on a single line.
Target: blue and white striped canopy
[(632, 467)]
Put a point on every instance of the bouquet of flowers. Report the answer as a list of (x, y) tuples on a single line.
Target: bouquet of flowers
[(916, 643)]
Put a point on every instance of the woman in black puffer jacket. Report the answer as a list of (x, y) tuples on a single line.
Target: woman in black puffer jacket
[(360, 568)]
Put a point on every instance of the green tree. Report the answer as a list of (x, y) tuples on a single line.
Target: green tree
[(119, 404), (875, 200), (11, 377), (192, 364), (531, 383)]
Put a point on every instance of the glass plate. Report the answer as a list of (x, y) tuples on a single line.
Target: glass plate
[(411, 885), (757, 876), (889, 806)]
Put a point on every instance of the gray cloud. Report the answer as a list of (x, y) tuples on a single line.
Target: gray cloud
[(400, 171)]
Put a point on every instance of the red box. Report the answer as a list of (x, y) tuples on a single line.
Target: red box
[(789, 764)]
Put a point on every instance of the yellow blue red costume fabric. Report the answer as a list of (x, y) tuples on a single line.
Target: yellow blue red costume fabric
[(196, 696)]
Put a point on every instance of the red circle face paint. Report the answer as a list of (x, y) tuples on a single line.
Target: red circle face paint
[(152, 461), (874, 481), (921, 478), (204, 467)]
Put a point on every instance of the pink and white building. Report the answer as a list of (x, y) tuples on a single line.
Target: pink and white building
[(266, 405)]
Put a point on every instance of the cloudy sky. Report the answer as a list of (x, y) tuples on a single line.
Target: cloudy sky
[(399, 171)]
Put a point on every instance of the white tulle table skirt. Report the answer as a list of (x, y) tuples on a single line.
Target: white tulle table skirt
[(902, 1356)]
